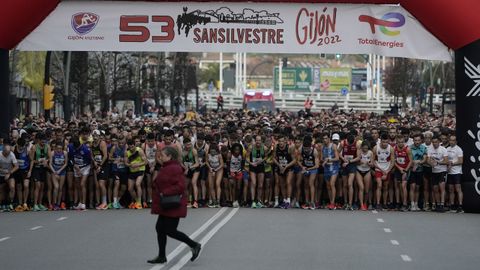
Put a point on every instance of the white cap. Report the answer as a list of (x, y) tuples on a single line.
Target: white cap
[(96, 132), (335, 137)]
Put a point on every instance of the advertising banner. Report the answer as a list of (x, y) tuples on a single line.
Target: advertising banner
[(335, 79), (294, 79), (235, 27)]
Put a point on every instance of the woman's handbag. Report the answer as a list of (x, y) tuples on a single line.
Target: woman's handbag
[(170, 202)]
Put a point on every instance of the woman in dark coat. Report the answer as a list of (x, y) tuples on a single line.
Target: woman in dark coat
[(170, 181)]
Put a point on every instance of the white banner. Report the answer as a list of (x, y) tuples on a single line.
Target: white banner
[(235, 27)]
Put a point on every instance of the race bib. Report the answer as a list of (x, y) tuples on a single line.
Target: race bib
[(401, 160), (348, 157), (283, 162), (78, 161), (21, 162), (98, 158), (121, 165)]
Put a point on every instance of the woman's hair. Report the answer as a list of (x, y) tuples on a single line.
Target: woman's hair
[(171, 152)]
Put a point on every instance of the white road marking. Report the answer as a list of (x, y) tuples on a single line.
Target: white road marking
[(205, 239), (4, 239), (394, 242), (380, 220), (406, 258), (35, 228), (375, 211), (195, 234), (61, 218), (387, 230)]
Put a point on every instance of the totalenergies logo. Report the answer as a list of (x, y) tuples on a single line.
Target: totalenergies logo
[(384, 22)]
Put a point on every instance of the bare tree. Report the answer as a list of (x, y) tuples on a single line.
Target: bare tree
[(403, 79)]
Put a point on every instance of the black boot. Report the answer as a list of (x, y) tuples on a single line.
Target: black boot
[(196, 251), (157, 260)]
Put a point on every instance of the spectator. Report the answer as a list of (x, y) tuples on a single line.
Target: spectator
[(220, 103), (308, 105)]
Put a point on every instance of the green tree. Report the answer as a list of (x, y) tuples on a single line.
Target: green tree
[(209, 73)]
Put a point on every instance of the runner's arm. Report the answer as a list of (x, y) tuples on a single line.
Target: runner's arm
[(410, 158)]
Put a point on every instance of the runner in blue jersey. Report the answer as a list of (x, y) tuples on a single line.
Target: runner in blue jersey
[(22, 176), (82, 160), (58, 164), (119, 170)]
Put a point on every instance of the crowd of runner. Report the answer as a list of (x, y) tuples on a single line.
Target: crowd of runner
[(320, 160)]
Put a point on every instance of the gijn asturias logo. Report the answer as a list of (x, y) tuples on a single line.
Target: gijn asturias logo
[(384, 22), (84, 22)]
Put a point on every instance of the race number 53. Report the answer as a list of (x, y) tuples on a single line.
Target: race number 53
[(139, 31)]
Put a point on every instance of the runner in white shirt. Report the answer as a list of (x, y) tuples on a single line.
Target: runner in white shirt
[(438, 159), (8, 166), (383, 160), (455, 161)]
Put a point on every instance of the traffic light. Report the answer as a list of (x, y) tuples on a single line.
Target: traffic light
[(48, 97)]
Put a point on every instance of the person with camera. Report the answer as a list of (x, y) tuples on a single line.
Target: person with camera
[(170, 204)]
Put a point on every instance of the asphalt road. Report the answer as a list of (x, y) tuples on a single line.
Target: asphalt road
[(242, 239)]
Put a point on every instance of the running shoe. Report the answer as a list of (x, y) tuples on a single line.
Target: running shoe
[(158, 260), (110, 206), (276, 205), (378, 207), (210, 204), (460, 210), (297, 205), (145, 205), (56, 207), (116, 205), (260, 205), (76, 207), (50, 207), (82, 207), (254, 205), (332, 206), (235, 204), (312, 206), (19, 208), (189, 205), (42, 207), (363, 207), (131, 206), (63, 206), (36, 208), (370, 207), (10, 208), (195, 205), (102, 206), (287, 205), (138, 206), (25, 207)]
